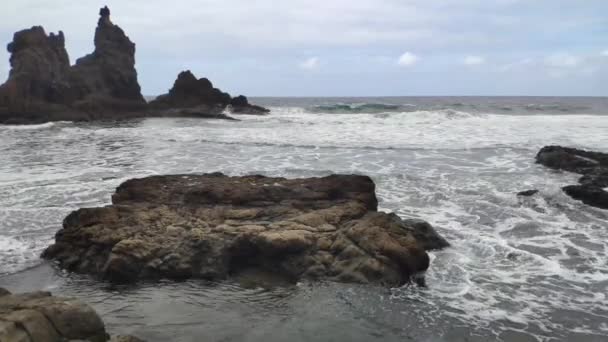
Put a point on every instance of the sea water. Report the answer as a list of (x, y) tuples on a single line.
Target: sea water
[(519, 269)]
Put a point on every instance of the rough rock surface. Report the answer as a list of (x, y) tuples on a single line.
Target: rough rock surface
[(190, 96), (214, 226), (40, 317), (592, 165), (42, 86)]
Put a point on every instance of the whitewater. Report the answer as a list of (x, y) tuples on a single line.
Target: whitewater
[(519, 269)]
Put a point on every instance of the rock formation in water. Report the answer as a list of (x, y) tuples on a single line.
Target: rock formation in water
[(592, 165), (39, 77), (197, 97), (40, 317), (106, 79), (42, 86), (214, 227)]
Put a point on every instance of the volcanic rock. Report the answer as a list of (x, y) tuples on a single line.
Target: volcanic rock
[(190, 96), (106, 79), (41, 317), (592, 165), (42, 86), (213, 227)]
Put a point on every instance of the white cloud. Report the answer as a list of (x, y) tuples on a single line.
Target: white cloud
[(516, 65), (562, 60), (474, 60), (407, 59), (605, 53), (311, 63)]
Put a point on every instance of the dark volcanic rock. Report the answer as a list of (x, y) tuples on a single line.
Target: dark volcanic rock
[(592, 165), (241, 105), (42, 86), (38, 79), (590, 195), (190, 96), (213, 227), (527, 193), (107, 79)]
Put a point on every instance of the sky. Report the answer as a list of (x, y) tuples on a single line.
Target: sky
[(346, 47)]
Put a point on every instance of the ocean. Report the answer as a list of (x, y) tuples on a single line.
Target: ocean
[(519, 269)]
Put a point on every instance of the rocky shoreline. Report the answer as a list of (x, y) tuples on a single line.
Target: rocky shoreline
[(43, 86), (214, 227), (41, 317), (593, 166)]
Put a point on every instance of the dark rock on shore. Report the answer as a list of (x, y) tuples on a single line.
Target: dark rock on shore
[(42, 86), (215, 227), (592, 165), (41, 317), (241, 105)]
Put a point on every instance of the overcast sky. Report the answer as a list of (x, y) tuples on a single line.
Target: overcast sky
[(346, 47)]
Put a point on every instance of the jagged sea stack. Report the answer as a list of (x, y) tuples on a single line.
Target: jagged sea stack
[(107, 77)]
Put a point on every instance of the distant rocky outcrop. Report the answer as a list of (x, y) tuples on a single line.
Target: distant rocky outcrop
[(42, 86), (197, 97), (592, 165), (214, 227), (41, 317)]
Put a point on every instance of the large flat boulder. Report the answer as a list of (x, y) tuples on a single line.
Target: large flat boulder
[(592, 165), (213, 227)]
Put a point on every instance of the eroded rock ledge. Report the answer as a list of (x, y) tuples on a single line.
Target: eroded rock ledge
[(592, 165), (41, 317), (213, 226)]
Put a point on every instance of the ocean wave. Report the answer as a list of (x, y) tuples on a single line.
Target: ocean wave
[(360, 108), (33, 127)]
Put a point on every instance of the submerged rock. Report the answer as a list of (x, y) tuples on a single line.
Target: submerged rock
[(41, 317), (214, 227), (527, 193), (592, 165)]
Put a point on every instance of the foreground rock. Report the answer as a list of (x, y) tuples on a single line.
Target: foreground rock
[(592, 165), (42, 86), (213, 227), (40, 317)]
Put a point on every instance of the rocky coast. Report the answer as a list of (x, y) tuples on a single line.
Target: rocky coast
[(103, 85)]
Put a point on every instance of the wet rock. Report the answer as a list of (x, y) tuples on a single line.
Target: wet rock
[(190, 96), (592, 165), (214, 227), (527, 193), (590, 195), (241, 105), (39, 316)]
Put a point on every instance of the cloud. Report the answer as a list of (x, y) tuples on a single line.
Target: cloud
[(408, 59), (605, 53), (474, 60), (563, 60), (311, 63), (516, 65)]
